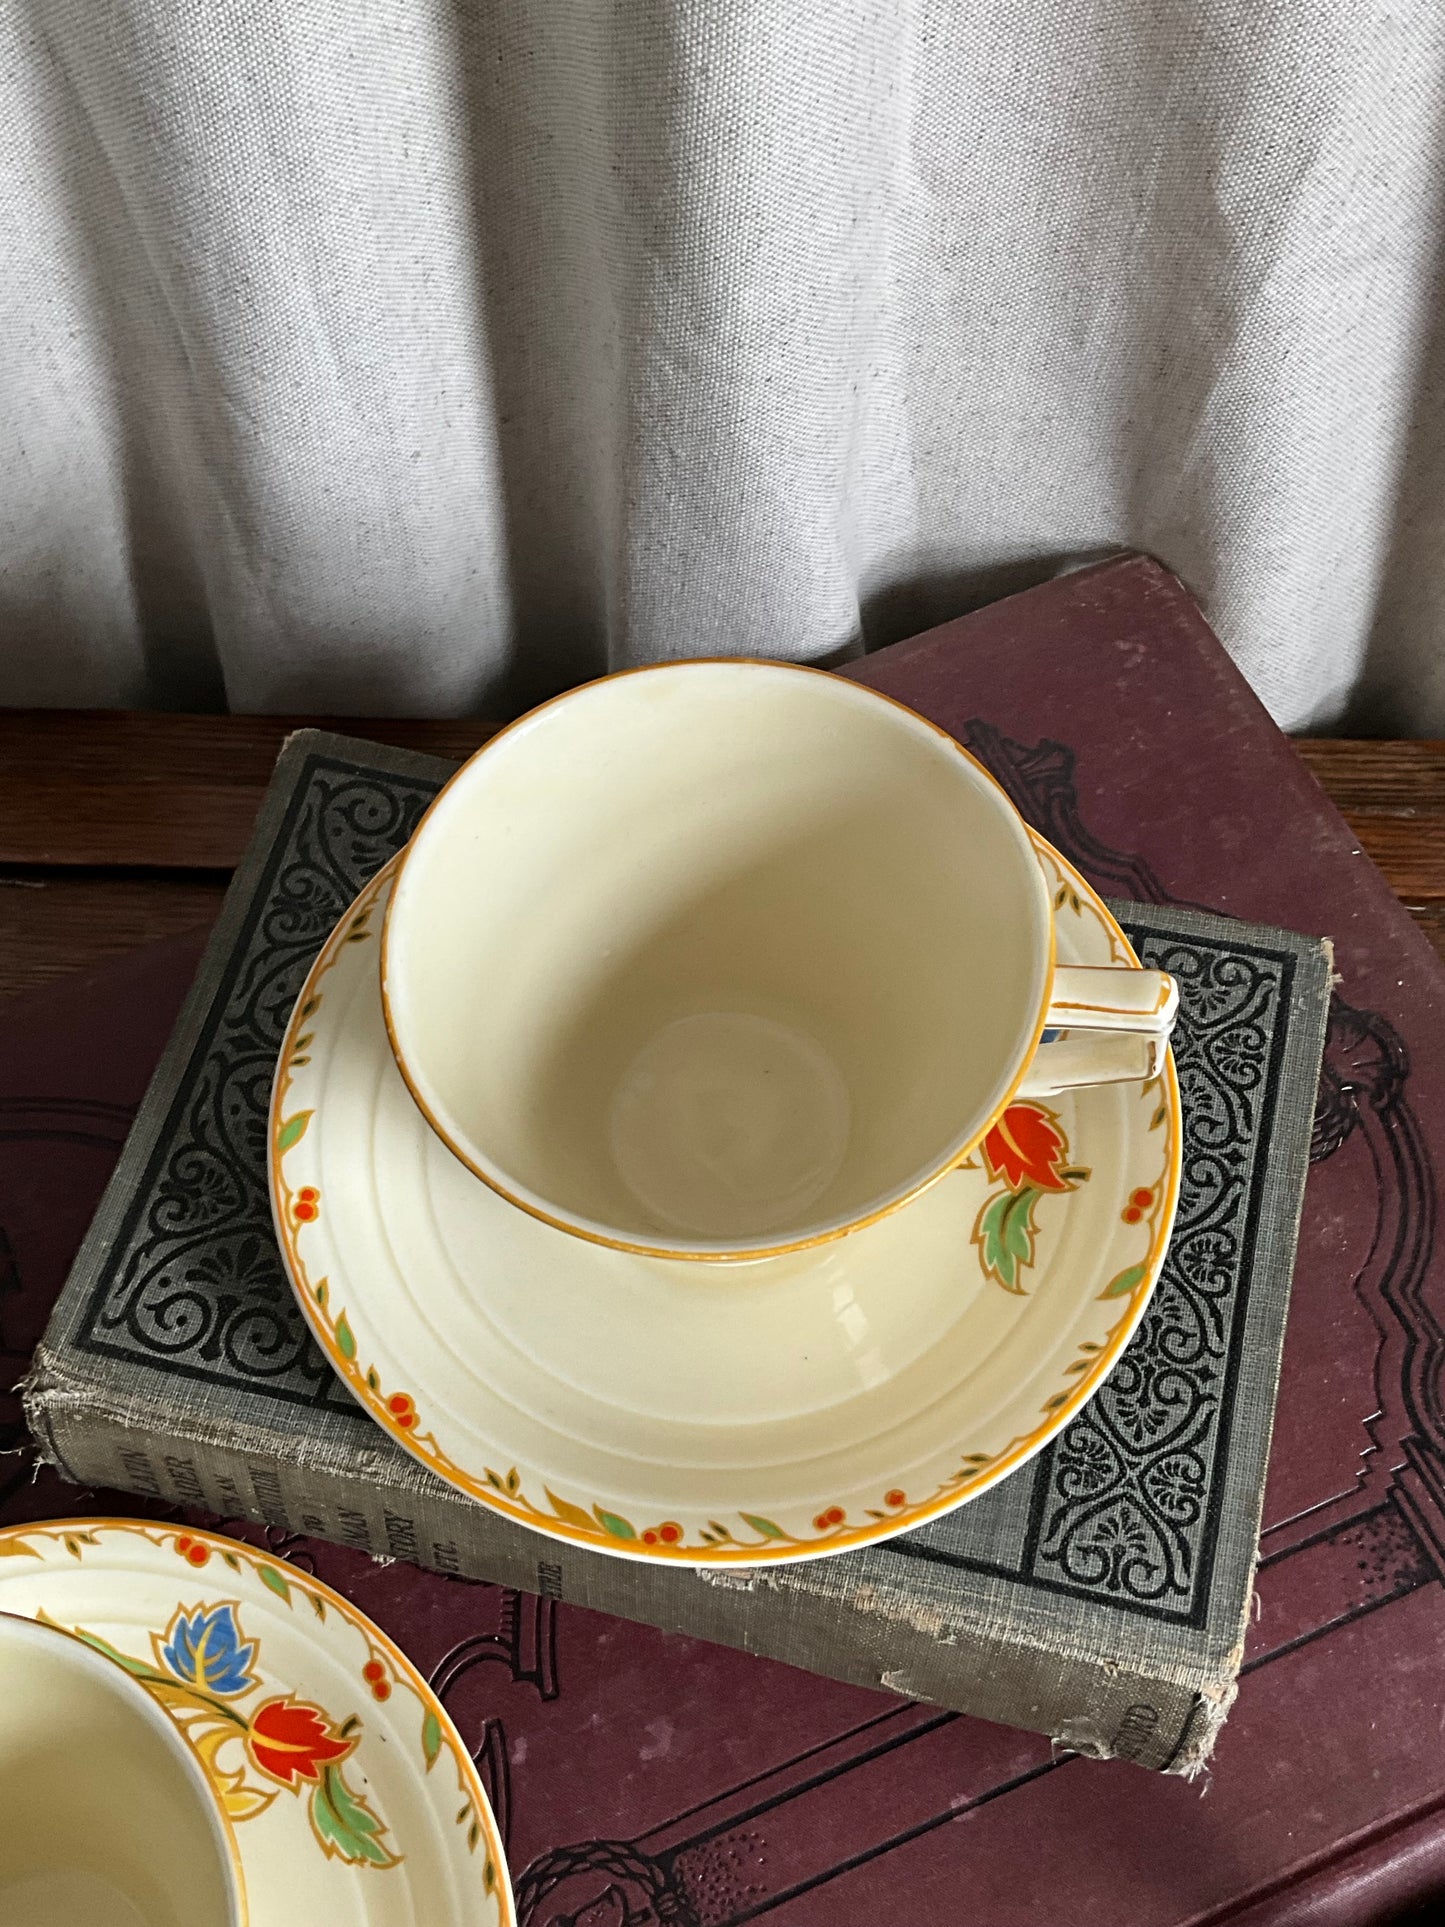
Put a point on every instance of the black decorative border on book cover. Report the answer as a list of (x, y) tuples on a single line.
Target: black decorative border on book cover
[(1128, 1505), (194, 1282), (1126, 1501), (1124, 1505)]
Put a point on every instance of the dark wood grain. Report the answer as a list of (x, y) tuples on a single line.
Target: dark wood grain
[(119, 828), (104, 788), (52, 924), (1392, 778), (1392, 794)]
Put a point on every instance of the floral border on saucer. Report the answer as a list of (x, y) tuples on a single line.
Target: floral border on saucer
[(203, 1666), (1027, 1155)]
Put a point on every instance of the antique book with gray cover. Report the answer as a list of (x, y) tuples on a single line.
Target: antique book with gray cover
[(1098, 1595)]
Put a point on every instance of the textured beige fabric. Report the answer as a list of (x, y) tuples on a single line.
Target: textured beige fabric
[(424, 355)]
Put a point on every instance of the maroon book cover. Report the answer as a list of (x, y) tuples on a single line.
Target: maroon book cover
[(641, 1777)]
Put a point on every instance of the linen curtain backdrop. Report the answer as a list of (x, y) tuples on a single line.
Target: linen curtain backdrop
[(425, 356)]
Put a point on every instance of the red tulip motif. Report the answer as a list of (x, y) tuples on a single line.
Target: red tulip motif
[(1028, 1154), (1026, 1146), (291, 1740)]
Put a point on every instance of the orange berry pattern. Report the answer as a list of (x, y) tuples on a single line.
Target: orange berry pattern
[(1139, 1203)]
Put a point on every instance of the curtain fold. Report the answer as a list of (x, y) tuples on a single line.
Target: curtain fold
[(424, 356)]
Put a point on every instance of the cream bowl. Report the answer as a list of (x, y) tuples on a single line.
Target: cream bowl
[(716, 960), (105, 1812)]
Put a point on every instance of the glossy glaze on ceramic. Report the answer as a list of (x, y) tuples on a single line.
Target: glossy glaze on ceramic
[(346, 1789), (717, 960), (105, 1813), (713, 1414), (716, 956)]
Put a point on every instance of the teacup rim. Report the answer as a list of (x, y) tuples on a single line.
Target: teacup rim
[(102, 1666), (709, 1251)]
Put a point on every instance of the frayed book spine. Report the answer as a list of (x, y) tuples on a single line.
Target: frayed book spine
[(1086, 1705)]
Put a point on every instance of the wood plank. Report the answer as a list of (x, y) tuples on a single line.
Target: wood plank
[(148, 825), (1392, 794), (99, 788), (169, 792), (140, 746), (1409, 850), (53, 924), (1398, 778)]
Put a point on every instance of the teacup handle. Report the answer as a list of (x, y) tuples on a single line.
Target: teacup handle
[(1106, 1024)]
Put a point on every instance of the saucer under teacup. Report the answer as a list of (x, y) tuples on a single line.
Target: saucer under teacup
[(349, 1795), (710, 1415)]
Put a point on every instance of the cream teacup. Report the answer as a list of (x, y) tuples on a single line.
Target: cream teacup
[(718, 960), (105, 1811)]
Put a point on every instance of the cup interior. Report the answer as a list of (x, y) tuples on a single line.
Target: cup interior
[(107, 1815), (716, 957)]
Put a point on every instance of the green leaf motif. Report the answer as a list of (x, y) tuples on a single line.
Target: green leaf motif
[(1004, 1235), (137, 1668), (345, 1338), (345, 1824), (431, 1738), (1125, 1283), (293, 1130), (610, 1522), (276, 1582), (763, 1526)]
